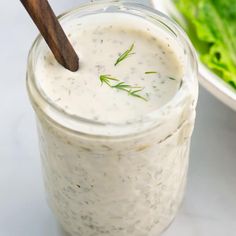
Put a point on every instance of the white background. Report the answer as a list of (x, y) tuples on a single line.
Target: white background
[(209, 208)]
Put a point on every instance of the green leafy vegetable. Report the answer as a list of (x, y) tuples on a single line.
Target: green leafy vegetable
[(171, 78), (126, 54), (211, 25), (131, 90)]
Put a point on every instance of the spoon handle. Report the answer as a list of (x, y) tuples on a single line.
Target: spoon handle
[(51, 30)]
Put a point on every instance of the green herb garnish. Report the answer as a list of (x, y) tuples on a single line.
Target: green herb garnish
[(124, 86), (131, 90), (107, 79), (150, 72), (121, 86), (171, 78), (126, 54), (134, 93)]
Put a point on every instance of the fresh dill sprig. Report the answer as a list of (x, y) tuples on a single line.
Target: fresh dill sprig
[(124, 86), (171, 78), (124, 55), (107, 79), (150, 72), (131, 90), (134, 93)]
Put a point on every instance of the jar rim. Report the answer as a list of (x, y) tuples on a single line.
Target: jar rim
[(150, 117)]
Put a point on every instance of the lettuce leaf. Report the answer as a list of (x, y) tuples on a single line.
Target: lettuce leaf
[(211, 25)]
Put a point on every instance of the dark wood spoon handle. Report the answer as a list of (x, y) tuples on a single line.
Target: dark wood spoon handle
[(51, 30)]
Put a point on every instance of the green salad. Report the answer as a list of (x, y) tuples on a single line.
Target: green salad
[(211, 26)]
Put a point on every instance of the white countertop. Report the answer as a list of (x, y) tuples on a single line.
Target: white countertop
[(209, 207)]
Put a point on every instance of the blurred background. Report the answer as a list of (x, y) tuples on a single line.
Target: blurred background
[(209, 207)]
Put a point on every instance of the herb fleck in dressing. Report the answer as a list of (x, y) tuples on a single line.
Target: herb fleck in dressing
[(130, 185), (121, 49)]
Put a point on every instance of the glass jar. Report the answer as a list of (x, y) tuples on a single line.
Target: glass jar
[(127, 179)]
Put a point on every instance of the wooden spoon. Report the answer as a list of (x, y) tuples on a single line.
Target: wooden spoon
[(51, 30)]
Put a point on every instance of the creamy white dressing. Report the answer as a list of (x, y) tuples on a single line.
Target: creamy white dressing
[(116, 186), (99, 40)]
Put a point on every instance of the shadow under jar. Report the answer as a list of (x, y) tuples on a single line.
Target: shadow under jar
[(120, 175)]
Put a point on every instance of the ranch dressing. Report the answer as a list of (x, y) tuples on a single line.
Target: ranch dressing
[(105, 179), (99, 41)]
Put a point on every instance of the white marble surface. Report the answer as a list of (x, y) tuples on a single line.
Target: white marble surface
[(209, 207)]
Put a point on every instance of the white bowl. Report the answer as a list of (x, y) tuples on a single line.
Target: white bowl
[(213, 83)]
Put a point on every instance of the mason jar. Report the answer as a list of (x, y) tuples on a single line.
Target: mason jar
[(124, 179)]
